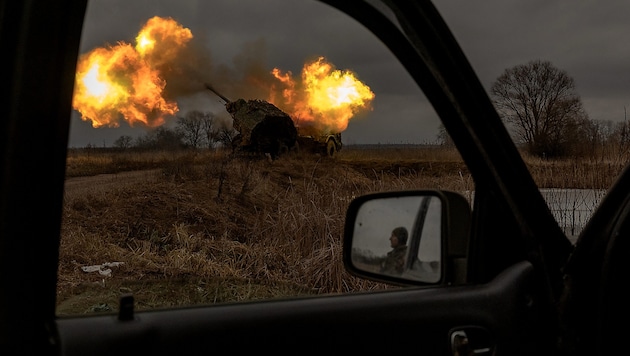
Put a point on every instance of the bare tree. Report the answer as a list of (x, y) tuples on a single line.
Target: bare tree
[(208, 129), (444, 138), (123, 142), (540, 102), (192, 127), (161, 138), (226, 136), (620, 138)]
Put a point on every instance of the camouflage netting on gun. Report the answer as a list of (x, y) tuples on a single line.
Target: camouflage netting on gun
[(262, 126)]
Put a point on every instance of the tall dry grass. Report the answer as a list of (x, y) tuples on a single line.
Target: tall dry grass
[(211, 227), (575, 173)]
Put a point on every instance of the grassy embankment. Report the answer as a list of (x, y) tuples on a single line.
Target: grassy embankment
[(210, 227)]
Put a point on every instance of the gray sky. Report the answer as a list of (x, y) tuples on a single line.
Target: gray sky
[(585, 38)]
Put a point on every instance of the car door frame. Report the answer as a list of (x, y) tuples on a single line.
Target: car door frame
[(40, 43), (516, 253)]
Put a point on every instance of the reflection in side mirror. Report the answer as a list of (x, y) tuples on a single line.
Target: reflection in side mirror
[(402, 236), (399, 236)]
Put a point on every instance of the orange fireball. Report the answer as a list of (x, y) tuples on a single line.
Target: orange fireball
[(123, 82), (326, 98)]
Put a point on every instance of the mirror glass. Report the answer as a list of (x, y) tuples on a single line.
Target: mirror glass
[(399, 236)]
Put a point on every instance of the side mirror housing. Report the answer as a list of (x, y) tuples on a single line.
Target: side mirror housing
[(415, 237)]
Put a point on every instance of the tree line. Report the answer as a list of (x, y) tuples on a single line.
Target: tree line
[(196, 129), (540, 106), (537, 101)]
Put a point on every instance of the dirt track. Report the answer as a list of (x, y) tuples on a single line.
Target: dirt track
[(104, 182)]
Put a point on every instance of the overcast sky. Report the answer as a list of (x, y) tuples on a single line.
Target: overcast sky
[(588, 39)]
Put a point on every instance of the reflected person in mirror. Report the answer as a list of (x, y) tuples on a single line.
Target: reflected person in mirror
[(394, 262)]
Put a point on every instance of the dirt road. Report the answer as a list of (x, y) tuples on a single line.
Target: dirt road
[(78, 186)]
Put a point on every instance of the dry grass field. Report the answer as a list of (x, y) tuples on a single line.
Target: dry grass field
[(210, 227)]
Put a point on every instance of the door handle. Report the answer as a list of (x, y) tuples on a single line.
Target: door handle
[(462, 345)]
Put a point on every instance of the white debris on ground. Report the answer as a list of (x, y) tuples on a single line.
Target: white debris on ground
[(103, 269)]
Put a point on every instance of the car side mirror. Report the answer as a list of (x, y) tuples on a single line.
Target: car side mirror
[(408, 237)]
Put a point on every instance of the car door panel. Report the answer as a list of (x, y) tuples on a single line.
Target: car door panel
[(508, 314), (421, 319)]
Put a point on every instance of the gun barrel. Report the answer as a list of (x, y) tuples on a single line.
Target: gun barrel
[(217, 93)]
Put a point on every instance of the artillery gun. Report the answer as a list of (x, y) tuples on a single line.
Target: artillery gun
[(262, 127), (311, 139), (265, 128)]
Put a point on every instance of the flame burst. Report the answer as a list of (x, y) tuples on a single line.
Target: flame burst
[(326, 98), (128, 82), (125, 81)]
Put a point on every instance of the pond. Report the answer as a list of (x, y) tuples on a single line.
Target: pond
[(572, 208)]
